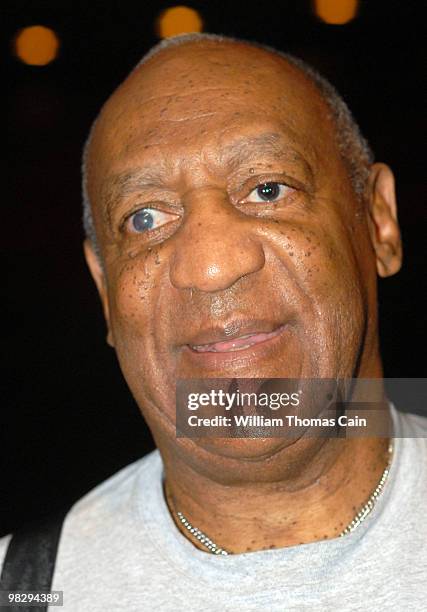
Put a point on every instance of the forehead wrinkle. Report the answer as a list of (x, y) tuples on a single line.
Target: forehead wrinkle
[(176, 94), (192, 118)]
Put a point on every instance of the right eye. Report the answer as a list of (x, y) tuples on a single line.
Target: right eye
[(148, 219)]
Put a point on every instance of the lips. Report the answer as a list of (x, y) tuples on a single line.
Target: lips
[(247, 347), (238, 343)]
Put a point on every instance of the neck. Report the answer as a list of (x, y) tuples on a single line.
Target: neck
[(259, 516), (318, 489)]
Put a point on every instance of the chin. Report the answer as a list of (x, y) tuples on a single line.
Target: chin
[(244, 448)]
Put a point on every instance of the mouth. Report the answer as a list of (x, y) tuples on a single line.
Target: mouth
[(250, 347), (239, 343)]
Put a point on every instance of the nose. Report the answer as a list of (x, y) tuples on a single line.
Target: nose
[(215, 246)]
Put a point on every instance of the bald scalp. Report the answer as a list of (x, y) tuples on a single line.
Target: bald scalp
[(354, 149)]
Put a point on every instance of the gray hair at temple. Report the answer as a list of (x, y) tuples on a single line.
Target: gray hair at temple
[(354, 149)]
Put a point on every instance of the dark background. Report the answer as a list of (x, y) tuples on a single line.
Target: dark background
[(68, 421)]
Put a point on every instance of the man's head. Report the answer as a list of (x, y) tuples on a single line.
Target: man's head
[(240, 227)]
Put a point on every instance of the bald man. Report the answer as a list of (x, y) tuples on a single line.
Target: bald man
[(236, 226)]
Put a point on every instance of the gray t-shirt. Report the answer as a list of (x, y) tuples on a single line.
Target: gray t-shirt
[(121, 551)]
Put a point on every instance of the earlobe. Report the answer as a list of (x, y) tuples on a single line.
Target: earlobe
[(382, 220), (98, 276)]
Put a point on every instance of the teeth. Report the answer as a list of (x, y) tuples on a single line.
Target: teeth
[(240, 348), (201, 348), (236, 344), (205, 347)]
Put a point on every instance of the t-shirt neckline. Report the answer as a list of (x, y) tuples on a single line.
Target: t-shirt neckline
[(298, 565)]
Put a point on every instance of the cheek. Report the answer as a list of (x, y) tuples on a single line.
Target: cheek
[(318, 258), (322, 265), (130, 291), (332, 276), (135, 289)]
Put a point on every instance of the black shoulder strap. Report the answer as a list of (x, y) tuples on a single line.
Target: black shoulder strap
[(30, 557)]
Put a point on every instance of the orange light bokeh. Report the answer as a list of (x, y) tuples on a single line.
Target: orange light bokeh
[(336, 12), (36, 45), (178, 20)]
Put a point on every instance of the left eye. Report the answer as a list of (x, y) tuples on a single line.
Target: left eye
[(148, 219), (268, 192)]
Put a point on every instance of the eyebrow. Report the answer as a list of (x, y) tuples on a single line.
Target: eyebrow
[(270, 143), (117, 186), (241, 151)]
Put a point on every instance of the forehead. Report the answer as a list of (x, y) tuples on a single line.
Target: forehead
[(207, 96)]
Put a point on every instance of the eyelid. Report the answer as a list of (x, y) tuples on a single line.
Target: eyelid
[(242, 192), (149, 208), (136, 199), (280, 197), (258, 181), (152, 205)]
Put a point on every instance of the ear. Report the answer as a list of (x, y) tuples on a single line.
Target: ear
[(98, 276), (382, 220)]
